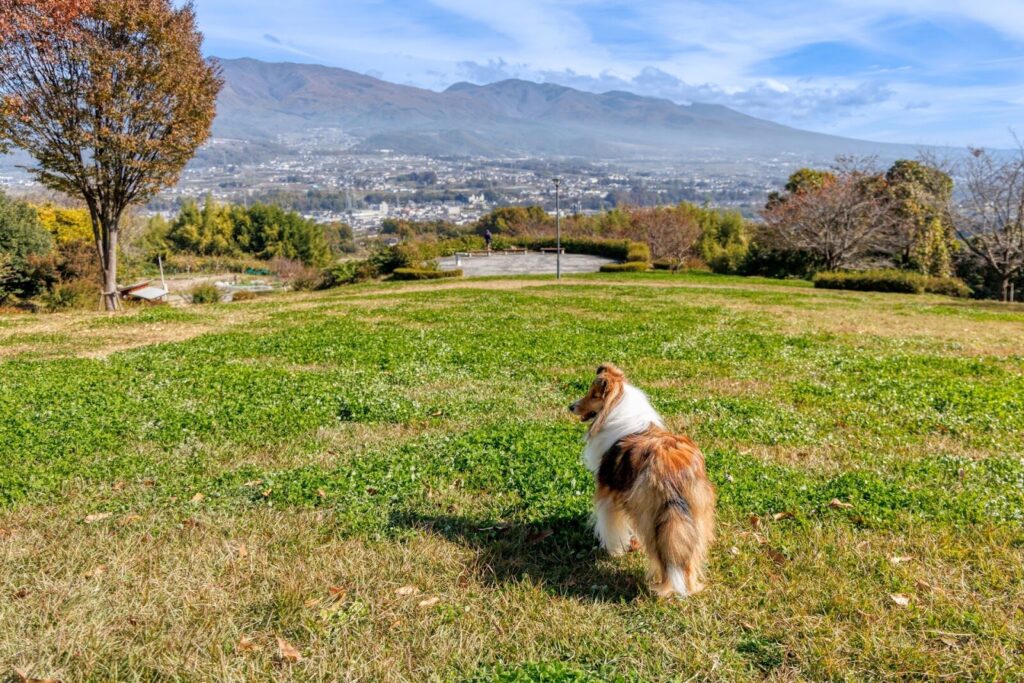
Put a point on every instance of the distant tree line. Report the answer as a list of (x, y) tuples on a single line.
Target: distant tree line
[(912, 217), (263, 231)]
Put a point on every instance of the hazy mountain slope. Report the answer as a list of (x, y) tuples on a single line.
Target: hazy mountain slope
[(261, 100)]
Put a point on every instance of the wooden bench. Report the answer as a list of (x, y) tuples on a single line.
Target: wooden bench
[(551, 250)]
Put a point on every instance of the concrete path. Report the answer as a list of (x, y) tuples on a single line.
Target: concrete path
[(532, 263)]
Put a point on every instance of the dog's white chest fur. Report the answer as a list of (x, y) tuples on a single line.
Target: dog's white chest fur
[(631, 415)]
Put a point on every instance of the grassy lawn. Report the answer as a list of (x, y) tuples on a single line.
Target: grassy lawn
[(386, 478)]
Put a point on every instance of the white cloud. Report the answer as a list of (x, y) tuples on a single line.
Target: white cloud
[(684, 50)]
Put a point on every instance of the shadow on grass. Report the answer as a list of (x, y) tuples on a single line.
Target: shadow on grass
[(558, 554)]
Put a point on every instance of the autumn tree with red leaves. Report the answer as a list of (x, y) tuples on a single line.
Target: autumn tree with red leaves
[(110, 97)]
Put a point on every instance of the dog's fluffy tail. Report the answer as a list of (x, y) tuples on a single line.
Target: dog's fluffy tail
[(676, 578), (683, 530)]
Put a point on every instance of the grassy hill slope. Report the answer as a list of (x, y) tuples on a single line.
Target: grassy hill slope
[(182, 487)]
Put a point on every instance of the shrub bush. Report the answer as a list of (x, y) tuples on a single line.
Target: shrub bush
[(948, 286), (907, 282), (247, 295), (638, 251), (424, 274), (348, 273), (666, 264), (26, 247), (627, 267), (205, 293), (872, 281), (778, 263), (306, 279), (81, 294)]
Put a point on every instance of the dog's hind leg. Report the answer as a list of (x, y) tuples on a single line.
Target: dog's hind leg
[(693, 572), (611, 523)]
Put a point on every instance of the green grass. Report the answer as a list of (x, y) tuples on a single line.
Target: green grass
[(386, 435)]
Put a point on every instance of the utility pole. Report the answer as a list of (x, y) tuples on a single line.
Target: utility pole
[(558, 231)]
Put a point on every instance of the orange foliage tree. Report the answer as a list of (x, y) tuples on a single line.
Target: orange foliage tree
[(110, 97)]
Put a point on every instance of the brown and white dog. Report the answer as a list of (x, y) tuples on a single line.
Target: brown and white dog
[(650, 483)]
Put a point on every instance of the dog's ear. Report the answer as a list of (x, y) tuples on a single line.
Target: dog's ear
[(609, 370), (600, 385)]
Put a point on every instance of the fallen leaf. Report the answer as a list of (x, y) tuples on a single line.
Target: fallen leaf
[(252, 482), (246, 644), (128, 519), (429, 602), (96, 571), (371, 490), (777, 557), (951, 642), (734, 550), (191, 524), (25, 678), (243, 552), (118, 485), (337, 592), (407, 590), (148, 482), (321, 493), (198, 498), (755, 521), (900, 559), (747, 625), (837, 504), (266, 494), (286, 652), (539, 536), (900, 599), (20, 593), (312, 602), (923, 585), (779, 516), (97, 517)]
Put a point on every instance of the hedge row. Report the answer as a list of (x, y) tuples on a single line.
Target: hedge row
[(627, 267), (891, 281), (423, 274)]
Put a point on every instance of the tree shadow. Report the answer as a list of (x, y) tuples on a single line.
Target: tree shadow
[(558, 553)]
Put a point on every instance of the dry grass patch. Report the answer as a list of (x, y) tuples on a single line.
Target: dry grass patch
[(206, 595)]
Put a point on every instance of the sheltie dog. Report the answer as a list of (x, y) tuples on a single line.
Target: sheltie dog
[(651, 484)]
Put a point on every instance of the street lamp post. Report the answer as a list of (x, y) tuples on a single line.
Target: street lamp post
[(558, 231)]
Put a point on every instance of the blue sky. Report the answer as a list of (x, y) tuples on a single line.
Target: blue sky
[(914, 71)]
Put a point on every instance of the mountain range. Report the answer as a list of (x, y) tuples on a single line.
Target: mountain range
[(261, 102)]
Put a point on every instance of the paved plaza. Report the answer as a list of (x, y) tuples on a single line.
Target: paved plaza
[(530, 263)]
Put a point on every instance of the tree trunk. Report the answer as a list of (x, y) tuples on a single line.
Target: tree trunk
[(110, 269), (1006, 289)]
